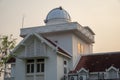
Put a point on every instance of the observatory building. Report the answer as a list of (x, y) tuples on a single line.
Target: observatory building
[(59, 50)]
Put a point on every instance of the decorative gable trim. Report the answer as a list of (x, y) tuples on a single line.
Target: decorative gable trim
[(112, 75), (20, 44), (27, 37), (83, 69), (112, 67), (48, 42), (44, 41)]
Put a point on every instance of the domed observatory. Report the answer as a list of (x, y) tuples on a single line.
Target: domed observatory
[(57, 16), (57, 47)]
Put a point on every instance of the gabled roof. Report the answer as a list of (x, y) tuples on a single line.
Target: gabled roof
[(47, 41), (27, 38), (99, 62)]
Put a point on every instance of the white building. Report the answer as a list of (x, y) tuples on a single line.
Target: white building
[(49, 52), (61, 50)]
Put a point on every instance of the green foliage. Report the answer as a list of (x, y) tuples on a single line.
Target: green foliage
[(7, 43)]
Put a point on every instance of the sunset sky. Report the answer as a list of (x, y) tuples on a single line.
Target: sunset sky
[(102, 16)]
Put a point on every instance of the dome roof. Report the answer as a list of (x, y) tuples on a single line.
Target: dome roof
[(58, 14)]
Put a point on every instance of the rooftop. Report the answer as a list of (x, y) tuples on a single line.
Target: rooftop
[(99, 62)]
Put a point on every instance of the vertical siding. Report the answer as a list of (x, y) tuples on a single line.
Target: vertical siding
[(40, 48), (30, 49), (33, 48)]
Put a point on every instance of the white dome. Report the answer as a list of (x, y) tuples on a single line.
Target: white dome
[(57, 15)]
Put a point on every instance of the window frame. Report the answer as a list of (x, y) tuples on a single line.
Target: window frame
[(32, 66), (65, 63), (80, 48), (40, 63)]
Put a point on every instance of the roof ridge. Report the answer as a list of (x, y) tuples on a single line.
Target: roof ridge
[(108, 52), (102, 53)]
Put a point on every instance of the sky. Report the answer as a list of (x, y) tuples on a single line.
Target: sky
[(102, 16)]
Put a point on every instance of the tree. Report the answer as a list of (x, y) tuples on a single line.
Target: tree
[(7, 43)]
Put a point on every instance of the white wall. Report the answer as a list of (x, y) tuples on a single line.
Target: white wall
[(56, 21), (60, 67), (51, 65), (20, 69), (64, 39), (87, 48), (69, 41)]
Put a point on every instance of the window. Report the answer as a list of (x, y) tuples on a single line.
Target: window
[(80, 48), (40, 65), (81, 78), (101, 76), (65, 67), (65, 70), (35, 65), (30, 66), (112, 74), (72, 78)]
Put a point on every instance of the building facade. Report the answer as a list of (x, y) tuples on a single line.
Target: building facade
[(100, 66), (61, 49), (49, 52)]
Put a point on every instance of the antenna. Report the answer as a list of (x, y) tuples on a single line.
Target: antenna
[(23, 20)]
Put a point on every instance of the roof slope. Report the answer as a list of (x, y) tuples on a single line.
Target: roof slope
[(59, 49), (99, 62)]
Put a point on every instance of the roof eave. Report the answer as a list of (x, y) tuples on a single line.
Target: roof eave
[(68, 56)]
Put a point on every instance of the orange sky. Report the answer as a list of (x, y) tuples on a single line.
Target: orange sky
[(102, 16)]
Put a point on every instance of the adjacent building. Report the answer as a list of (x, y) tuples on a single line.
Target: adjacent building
[(100, 66)]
